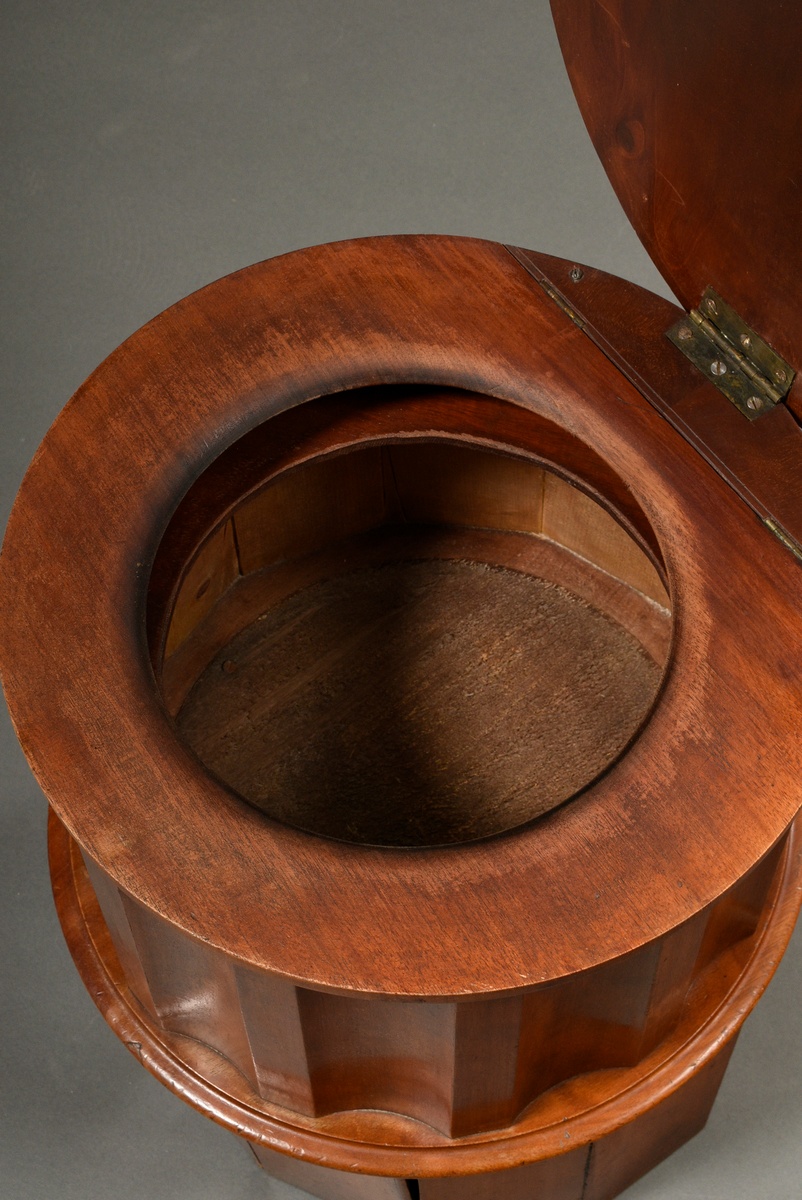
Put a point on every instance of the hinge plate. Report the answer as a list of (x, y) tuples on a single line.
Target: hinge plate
[(732, 356), (782, 535)]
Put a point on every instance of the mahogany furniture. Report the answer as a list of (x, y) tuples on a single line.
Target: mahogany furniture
[(406, 635)]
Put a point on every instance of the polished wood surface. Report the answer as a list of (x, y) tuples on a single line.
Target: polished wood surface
[(460, 1068), (694, 110), (760, 460), (607, 873), (339, 495), (330, 1184), (613, 1124)]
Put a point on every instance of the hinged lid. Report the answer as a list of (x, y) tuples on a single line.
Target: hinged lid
[(695, 111)]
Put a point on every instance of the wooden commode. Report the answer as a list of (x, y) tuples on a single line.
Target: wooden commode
[(407, 635)]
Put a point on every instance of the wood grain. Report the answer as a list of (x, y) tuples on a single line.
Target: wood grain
[(419, 703), (249, 597), (761, 461), (416, 702), (572, 519), (693, 112), (312, 508), (330, 491), (212, 571), (460, 1068), (456, 485), (460, 426), (603, 873), (614, 1115), (622, 931), (329, 1184)]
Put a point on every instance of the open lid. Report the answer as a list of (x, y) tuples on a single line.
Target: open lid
[(695, 110)]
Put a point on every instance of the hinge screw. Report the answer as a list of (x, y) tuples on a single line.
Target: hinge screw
[(576, 274), (780, 376), (746, 341), (711, 306), (684, 333), (754, 402), (718, 367)]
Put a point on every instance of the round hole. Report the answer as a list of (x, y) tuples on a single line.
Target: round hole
[(413, 640)]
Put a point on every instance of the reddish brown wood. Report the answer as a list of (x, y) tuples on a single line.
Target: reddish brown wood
[(411, 310), (329, 1184), (345, 1003), (596, 1172), (551, 1009), (694, 111), (250, 596), (364, 708), (761, 460), (620, 1123), (460, 1068), (625, 1155), (370, 417), (563, 1176)]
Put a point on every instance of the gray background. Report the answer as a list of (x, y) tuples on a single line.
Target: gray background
[(149, 149)]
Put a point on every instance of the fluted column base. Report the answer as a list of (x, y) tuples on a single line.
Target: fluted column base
[(598, 1171), (588, 1138)]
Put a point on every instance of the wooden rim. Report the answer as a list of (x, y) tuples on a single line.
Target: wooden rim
[(567, 1126), (696, 801)]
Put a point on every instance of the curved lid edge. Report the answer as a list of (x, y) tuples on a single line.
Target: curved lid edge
[(694, 110)]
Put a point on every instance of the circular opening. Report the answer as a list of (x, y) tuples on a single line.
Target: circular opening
[(394, 636)]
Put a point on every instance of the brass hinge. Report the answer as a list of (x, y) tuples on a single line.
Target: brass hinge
[(562, 303), (782, 535), (732, 356)]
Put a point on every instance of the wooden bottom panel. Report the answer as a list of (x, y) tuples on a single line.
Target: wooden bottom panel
[(617, 1160), (559, 1178), (599, 1171), (421, 701), (326, 1183)]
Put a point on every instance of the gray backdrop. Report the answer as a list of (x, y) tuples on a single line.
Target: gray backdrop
[(150, 148)]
